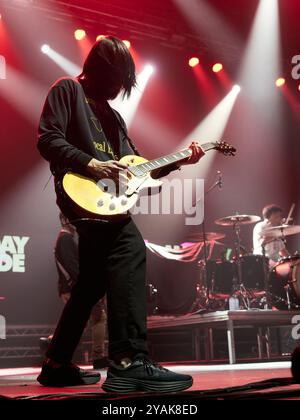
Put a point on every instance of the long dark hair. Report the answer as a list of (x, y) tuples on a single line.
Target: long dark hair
[(110, 59)]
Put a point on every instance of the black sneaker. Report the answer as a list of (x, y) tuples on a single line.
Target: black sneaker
[(66, 375), (144, 375)]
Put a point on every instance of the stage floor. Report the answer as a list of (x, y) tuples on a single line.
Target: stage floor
[(211, 382)]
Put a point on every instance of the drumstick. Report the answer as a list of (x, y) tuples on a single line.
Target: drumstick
[(290, 214)]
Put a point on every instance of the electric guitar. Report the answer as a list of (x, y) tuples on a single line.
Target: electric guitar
[(102, 199)]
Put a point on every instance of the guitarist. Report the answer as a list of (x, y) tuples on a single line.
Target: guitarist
[(80, 132)]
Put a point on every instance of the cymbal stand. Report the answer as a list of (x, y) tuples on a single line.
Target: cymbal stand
[(288, 298), (266, 276), (212, 187), (288, 285), (241, 287)]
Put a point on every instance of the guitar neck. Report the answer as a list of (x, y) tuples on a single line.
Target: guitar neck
[(163, 161)]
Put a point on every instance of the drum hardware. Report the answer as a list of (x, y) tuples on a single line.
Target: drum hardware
[(236, 221), (248, 277), (201, 303), (282, 293), (222, 283), (266, 276), (287, 289), (287, 295), (284, 284), (218, 183), (281, 303)]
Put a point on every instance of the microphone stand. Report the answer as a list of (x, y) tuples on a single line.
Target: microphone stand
[(212, 187)]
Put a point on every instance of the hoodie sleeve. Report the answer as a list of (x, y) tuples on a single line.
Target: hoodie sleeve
[(53, 128)]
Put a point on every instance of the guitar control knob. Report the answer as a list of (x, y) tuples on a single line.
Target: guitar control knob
[(124, 202), (112, 206), (100, 203)]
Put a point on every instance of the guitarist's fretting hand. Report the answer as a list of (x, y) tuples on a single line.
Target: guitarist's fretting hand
[(111, 169), (196, 155)]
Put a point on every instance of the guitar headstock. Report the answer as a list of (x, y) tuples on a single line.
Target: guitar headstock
[(225, 148)]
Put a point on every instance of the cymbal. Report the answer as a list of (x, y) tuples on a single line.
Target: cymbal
[(283, 230), (209, 236), (237, 219)]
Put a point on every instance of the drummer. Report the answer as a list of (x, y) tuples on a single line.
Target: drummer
[(265, 244)]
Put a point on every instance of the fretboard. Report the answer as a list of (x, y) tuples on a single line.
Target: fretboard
[(151, 165)]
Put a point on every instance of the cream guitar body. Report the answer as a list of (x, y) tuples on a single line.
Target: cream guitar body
[(103, 199)]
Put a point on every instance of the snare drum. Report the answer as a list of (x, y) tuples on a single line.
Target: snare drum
[(284, 283)]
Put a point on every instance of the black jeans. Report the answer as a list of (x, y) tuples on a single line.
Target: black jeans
[(112, 261)]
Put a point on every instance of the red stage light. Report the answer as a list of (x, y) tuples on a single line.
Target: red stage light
[(193, 62), (299, 87), (79, 34), (280, 82), (99, 37), (127, 43), (217, 67)]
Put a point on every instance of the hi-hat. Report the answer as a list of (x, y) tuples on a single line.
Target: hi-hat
[(283, 230), (237, 219), (209, 236)]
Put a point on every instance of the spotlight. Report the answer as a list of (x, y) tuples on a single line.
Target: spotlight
[(127, 43), (193, 62), (149, 69), (217, 67), (79, 34), (236, 88), (99, 37), (280, 82), (45, 49), (299, 87)]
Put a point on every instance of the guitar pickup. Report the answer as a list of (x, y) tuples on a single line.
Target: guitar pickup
[(102, 185)]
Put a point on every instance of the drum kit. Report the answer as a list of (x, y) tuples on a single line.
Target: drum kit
[(245, 280)]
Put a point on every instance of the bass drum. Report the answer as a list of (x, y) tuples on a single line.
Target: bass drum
[(284, 284)]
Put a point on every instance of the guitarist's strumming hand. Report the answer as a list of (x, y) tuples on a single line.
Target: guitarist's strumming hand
[(111, 169), (196, 155)]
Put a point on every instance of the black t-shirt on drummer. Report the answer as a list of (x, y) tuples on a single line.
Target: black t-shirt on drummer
[(73, 129)]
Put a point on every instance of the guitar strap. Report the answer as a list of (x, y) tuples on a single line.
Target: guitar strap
[(120, 124)]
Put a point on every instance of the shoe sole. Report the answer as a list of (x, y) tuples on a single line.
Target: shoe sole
[(84, 381), (132, 385)]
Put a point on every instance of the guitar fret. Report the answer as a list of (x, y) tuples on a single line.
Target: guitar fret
[(143, 168)]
